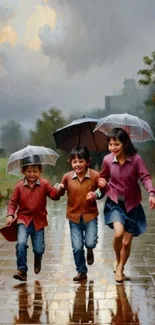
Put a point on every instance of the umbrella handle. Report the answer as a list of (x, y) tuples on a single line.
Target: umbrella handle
[(127, 129)]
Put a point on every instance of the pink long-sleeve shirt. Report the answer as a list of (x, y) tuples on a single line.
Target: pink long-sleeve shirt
[(123, 179)]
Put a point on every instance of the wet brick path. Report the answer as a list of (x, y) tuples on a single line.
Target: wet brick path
[(51, 297)]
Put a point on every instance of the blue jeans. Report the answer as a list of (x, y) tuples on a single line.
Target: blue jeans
[(83, 234), (38, 245)]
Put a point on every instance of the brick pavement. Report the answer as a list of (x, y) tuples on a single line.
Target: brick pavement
[(51, 297)]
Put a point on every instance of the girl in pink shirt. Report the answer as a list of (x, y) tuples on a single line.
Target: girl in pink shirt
[(123, 212)]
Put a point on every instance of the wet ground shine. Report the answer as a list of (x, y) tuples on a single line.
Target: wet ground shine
[(51, 297)]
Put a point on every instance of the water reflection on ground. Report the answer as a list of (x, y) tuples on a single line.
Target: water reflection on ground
[(124, 313), (52, 298), (29, 313), (83, 307)]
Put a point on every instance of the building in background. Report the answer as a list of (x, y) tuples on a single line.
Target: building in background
[(130, 100)]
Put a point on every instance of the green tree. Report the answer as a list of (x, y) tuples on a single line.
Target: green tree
[(148, 74), (45, 126), (42, 136), (148, 79), (11, 136)]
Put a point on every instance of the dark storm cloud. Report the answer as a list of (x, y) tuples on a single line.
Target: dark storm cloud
[(22, 93), (98, 43), (95, 32)]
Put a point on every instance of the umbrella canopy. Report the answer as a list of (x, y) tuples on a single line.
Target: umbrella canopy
[(31, 155), (80, 132), (138, 129)]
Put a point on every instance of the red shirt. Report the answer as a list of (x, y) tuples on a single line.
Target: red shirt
[(123, 179), (30, 203)]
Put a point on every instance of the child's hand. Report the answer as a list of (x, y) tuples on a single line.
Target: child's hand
[(60, 187), (152, 202), (9, 220), (91, 196), (102, 183)]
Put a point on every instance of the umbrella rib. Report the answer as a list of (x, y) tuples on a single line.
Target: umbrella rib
[(92, 133), (79, 138)]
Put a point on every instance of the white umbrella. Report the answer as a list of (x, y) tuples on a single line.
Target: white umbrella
[(138, 129), (32, 155)]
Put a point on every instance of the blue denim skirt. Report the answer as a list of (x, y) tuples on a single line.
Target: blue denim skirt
[(134, 221)]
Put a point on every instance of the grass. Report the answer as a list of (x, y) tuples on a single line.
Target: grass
[(7, 181)]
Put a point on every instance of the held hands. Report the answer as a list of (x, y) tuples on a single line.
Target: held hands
[(102, 183), (9, 220), (152, 202), (60, 187), (91, 196)]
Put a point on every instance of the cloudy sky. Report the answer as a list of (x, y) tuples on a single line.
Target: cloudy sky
[(69, 53)]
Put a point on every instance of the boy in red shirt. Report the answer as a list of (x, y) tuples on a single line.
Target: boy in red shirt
[(29, 197)]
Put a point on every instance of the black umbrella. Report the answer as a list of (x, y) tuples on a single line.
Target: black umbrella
[(80, 132)]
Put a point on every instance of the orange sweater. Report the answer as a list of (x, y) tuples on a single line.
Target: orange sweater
[(77, 205)]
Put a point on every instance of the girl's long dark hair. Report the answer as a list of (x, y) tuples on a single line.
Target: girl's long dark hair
[(123, 137)]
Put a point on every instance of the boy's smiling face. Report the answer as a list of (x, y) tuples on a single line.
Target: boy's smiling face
[(79, 165), (32, 173)]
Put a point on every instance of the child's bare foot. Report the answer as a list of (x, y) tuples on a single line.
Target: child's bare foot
[(115, 266), (121, 278)]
